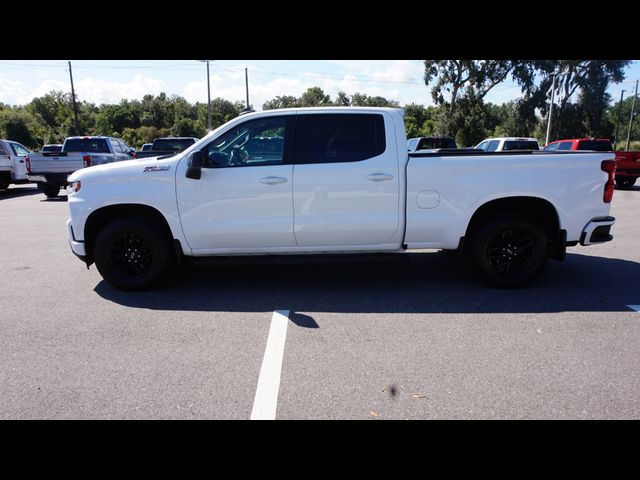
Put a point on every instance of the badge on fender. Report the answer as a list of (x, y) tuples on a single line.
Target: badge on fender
[(160, 168)]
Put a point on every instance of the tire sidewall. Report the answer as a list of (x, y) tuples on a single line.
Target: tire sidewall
[(147, 231), (493, 226)]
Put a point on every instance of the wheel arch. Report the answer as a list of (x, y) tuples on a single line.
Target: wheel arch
[(104, 215), (537, 208)]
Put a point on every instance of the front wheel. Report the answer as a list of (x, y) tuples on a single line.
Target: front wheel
[(625, 183), (510, 250), (132, 254)]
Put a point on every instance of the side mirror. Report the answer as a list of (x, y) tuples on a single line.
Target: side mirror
[(194, 169)]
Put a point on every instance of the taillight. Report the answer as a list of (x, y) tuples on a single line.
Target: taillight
[(609, 166), (134, 155), (86, 160), (27, 163)]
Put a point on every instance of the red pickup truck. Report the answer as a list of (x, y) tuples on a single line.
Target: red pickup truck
[(627, 163)]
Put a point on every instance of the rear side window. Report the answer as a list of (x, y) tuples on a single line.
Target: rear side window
[(412, 144), (520, 145), (3, 151), (565, 145), (333, 138), (93, 145), (173, 144), (429, 143), (598, 146)]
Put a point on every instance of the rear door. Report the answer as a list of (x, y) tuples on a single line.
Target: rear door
[(346, 186)]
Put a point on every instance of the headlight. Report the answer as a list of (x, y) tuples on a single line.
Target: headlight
[(74, 187)]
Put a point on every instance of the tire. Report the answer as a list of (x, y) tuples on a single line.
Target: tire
[(132, 254), (510, 250), (4, 185), (51, 190), (625, 183)]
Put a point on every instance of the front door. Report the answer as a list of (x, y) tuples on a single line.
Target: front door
[(243, 201)]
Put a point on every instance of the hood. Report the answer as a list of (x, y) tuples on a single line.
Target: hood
[(127, 168)]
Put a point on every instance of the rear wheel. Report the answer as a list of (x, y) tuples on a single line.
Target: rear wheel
[(50, 190), (132, 254), (510, 250), (625, 183)]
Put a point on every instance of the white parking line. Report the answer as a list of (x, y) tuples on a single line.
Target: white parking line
[(634, 307), (265, 402)]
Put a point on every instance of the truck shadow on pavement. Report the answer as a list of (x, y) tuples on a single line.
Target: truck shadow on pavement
[(408, 283), (22, 191)]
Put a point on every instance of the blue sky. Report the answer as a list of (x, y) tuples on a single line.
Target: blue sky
[(109, 81)]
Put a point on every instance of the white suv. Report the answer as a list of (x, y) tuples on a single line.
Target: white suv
[(500, 144)]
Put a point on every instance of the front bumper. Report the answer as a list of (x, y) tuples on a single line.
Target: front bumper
[(77, 247), (597, 231)]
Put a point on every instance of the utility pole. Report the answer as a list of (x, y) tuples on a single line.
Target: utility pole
[(633, 109), (208, 98), (553, 91), (246, 82), (615, 143), (73, 98)]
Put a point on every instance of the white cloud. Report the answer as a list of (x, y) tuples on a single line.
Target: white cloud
[(87, 89)]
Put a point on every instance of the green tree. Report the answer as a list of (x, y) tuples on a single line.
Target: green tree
[(314, 97)]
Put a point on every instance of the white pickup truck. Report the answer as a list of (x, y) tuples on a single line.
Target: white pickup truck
[(12, 163), (50, 169), (335, 180)]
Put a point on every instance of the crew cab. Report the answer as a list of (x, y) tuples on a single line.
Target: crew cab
[(51, 169), (335, 180), (12, 163), (167, 146), (501, 144), (627, 163)]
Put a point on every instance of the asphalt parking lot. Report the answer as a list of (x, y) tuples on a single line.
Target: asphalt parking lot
[(416, 336)]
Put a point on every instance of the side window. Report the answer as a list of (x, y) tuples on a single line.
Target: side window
[(253, 143), (493, 145), (564, 145), (333, 138), (116, 146), (482, 146), (412, 144), (551, 147)]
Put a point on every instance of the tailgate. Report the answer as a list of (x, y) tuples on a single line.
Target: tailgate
[(55, 164)]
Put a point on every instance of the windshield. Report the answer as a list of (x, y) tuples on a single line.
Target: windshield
[(93, 145)]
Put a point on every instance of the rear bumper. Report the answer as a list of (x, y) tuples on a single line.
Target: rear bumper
[(597, 231), (77, 247)]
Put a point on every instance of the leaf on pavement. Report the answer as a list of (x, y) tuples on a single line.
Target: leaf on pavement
[(418, 396), (374, 414)]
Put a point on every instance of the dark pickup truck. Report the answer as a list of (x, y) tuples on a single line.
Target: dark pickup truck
[(167, 146)]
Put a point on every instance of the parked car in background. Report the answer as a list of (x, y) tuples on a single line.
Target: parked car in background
[(430, 143), (167, 146), (12, 163), (51, 169), (501, 144), (627, 163), (52, 147), (146, 146)]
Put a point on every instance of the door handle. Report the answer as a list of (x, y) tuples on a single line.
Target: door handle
[(273, 180), (379, 177)]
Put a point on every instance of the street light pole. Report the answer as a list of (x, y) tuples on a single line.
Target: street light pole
[(633, 109), (615, 143), (553, 91)]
